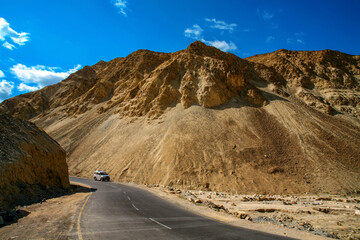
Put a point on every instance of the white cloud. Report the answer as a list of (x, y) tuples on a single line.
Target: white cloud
[(293, 41), (222, 45), (221, 24), (194, 32), (26, 88), (21, 39), (121, 5), (7, 33), (265, 14), (298, 38), (300, 41), (6, 88), (274, 26), (2, 74), (8, 45), (40, 75), (269, 39)]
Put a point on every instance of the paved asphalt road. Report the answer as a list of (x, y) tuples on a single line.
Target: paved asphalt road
[(117, 211)]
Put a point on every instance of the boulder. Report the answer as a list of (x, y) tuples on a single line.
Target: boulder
[(264, 210), (241, 215)]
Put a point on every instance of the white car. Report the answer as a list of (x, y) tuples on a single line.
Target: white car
[(101, 176)]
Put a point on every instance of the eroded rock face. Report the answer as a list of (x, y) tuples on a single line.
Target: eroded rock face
[(146, 83), (32, 164), (328, 81)]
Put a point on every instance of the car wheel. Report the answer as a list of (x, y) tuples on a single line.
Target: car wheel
[(95, 178)]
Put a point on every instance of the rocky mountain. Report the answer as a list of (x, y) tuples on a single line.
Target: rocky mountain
[(283, 122), (327, 80), (32, 165)]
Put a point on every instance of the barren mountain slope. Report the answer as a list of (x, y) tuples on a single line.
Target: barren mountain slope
[(199, 118), (327, 80), (32, 165)]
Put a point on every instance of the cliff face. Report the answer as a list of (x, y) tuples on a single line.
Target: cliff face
[(202, 118), (32, 165)]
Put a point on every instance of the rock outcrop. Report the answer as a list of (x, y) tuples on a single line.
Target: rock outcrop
[(326, 80), (201, 118), (32, 165)]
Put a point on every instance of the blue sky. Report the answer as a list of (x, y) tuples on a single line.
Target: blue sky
[(43, 41)]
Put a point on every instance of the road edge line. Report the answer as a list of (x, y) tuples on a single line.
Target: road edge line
[(160, 223), (78, 221), (135, 207)]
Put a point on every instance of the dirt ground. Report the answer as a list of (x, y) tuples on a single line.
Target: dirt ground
[(301, 217), (52, 219)]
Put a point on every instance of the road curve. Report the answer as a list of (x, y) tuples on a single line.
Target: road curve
[(117, 211)]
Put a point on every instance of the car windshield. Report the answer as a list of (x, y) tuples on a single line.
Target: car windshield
[(103, 173)]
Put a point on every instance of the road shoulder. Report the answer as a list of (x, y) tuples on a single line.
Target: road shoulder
[(52, 219)]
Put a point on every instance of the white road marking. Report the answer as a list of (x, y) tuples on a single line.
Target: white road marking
[(129, 198), (160, 223), (135, 207)]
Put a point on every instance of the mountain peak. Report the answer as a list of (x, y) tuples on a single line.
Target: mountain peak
[(197, 45), (201, 49)]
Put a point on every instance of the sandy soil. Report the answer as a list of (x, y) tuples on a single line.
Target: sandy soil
[(52, 219), (302, 217)]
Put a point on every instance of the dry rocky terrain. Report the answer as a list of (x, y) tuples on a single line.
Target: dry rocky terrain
[(279, 123), (32, 165), (329, 216)]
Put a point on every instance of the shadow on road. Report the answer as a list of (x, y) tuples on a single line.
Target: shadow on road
[(10, 217), (74, 188)]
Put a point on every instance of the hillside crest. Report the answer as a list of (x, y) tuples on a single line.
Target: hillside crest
[(148, 83)]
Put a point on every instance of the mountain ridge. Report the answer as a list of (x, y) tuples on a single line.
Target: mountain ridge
[(284, 122)]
